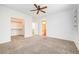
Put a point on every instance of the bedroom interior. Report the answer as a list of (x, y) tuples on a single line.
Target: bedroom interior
[(39, 29)]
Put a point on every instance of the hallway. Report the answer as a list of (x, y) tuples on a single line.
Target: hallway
[(38, 45)]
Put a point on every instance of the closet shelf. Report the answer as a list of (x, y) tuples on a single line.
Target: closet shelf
[(16, 29)]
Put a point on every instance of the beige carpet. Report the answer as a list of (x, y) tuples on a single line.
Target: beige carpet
[(38, 45)]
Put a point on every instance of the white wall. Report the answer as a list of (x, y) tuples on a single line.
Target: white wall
[(60, 24), (28, 27), (76, 35), (5, 29), (78, 17)]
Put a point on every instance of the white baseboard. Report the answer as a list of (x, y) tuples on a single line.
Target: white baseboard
[(4, 41), (61, 37)]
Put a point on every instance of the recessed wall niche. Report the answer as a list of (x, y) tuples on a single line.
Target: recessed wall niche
[(17, 26)]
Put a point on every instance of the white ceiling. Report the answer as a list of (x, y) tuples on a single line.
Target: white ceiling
[(52, 8)]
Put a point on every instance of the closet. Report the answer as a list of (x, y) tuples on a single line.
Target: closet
[(17, 26)]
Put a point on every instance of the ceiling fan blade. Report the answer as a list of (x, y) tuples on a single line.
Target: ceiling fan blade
[(32, 10), (43, 11), (43, 7), (37, 11), (35, 5)]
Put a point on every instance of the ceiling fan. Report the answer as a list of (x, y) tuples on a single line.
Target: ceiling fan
[(39, 9)]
